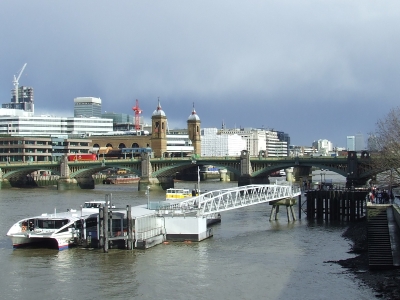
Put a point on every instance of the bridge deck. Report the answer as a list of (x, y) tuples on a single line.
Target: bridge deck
[(214, 202)]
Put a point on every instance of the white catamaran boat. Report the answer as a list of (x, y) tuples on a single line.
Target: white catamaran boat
[(58, 230)]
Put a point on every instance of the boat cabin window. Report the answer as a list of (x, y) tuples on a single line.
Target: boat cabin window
[(66, 229), (177, 191), (92, 205), (91, 223), (51, 224)]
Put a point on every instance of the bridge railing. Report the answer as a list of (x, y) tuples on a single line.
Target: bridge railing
[(227, 199)]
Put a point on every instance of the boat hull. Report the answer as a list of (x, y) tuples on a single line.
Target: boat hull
[(27, 240), (121, 180)]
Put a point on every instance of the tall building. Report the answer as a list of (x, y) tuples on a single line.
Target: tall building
[(21, 99), (87, 107), (274, 146), (324, 147), (351, 143), (284, 137), (123, 122), (355, 142), (214, 144), (359, 142)]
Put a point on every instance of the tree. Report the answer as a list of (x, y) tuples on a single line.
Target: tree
[(385, 148)]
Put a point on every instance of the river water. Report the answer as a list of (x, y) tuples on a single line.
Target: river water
[(248, 257)]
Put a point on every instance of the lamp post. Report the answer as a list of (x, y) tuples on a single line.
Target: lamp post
[(321, 183), (390, 185), (148, 196)]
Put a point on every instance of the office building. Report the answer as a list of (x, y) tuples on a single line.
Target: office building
[(87, 107), (351, 143), (214, 144), (38, 149), (21, 100), (355, 142), (51, 126), (323, 147), (359, 142)]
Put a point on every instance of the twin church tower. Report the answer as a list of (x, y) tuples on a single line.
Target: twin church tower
[(159, 132)]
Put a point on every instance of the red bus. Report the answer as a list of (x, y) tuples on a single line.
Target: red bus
[(82, 157)]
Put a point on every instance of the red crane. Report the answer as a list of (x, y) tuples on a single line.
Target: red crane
[(137, 111)]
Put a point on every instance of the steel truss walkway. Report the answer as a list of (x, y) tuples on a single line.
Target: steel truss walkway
[(214, 202)]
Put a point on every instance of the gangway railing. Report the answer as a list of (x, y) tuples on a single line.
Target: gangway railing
[(214, 202)]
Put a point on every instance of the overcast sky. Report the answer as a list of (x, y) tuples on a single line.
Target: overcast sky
[(313, 69)]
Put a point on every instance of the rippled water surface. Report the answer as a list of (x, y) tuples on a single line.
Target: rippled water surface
[(248, 257)]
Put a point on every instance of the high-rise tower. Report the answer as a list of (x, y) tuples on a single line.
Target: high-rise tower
[(193, 123), (159, 132), (87, 107)]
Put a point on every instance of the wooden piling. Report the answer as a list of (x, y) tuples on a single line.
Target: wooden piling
[(300, 204), (105, 229), (101, 226), (130, 241), (335, 205)]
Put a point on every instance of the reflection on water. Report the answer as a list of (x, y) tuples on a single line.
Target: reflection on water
[(248, 257)]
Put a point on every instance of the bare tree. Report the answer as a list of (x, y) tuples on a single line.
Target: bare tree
[(385, 146)]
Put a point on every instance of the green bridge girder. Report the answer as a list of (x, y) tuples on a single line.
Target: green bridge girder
[(169, 166), (268, 165)]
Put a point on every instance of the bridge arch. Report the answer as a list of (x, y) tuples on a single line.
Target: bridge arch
[(168, 169), (121, 145), (29, 170)]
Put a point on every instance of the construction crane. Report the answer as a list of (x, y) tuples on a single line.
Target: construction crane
[(15, 82), (137, 111)]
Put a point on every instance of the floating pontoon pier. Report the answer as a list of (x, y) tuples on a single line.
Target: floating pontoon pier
[(151, 224)]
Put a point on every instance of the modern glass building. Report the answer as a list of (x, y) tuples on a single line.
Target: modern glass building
[(351, 143), (87, 107), (50, 125), (24, 101)]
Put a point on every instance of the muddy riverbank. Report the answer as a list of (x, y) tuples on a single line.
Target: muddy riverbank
[(386, 283)]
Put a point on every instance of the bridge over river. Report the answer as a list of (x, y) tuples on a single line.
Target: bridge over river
[(161, 171)]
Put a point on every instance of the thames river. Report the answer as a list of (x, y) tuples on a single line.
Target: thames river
[(248, 257)]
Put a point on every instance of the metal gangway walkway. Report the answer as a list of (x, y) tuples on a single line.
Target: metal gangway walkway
[(213, 202)]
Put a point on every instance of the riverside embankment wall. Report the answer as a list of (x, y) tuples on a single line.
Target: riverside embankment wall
[(396, 213)]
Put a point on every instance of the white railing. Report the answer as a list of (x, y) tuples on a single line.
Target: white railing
[(227, 199)]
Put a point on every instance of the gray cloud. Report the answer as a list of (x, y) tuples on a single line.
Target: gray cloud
[(312, 69)]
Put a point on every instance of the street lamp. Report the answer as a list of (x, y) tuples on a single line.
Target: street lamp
[(148, 196), (390, 183), (321, 183)]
